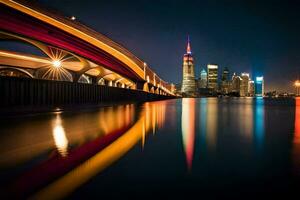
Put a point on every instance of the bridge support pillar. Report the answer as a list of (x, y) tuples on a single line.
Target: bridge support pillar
[(76, 77), (94, 80), (140, 85)]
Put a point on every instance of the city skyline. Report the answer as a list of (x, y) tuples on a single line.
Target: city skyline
[(243, 36)]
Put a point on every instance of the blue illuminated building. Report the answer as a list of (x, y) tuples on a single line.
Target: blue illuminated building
[(259, 86)]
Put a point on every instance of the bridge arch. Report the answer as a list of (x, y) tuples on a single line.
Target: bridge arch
[(15, 72), (101, 81), (84, 79)]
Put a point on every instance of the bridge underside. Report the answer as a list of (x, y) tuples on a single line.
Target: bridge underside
[(72, 68), (13, 21), (71, 52)]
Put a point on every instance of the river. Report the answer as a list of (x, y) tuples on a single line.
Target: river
[(208, 147)]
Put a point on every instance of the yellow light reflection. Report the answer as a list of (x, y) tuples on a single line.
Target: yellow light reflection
[(246, 114), (81, 174), (59, 135), (116, 118)]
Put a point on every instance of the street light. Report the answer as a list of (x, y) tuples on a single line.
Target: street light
[(56, 64), (73, 18)]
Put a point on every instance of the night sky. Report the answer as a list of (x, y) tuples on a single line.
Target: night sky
[(259, 37)]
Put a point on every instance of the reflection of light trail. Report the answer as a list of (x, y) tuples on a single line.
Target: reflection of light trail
[(188, 128), (61, 141), (296, 140), (203, 118), (91, 167)]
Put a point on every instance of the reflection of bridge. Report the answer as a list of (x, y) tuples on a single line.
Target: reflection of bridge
[(72, 52), (77, 154)]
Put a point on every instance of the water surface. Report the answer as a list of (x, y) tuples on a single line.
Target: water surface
[(209, 147)]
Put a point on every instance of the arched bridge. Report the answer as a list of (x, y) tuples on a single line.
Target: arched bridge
[(71, 51)]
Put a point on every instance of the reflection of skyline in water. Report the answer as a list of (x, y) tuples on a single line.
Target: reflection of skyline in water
[(246, 114), (75, 148), (212, 122), (188, 129), (296, 139), (203, 120), (259, 123)]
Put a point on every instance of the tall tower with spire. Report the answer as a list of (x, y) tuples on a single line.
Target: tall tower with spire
[(188, 87)]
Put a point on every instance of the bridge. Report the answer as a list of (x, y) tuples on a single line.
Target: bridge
[(71, 52)]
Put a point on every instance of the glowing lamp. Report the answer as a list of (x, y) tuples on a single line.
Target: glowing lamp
[(56, 64), (297, 83), (73, 18)]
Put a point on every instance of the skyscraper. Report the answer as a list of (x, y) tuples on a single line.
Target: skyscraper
[(203, 79), (188, 80), (225, 74), (225, 83), (212, 77), (259, 86), (244, 87), (235, 85), (251, 88)]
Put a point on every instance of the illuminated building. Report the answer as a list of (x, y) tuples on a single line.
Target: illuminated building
[(212, 79), (188, 81), (251, 88), (244, 87), (259, 86), (203, 79), (297, 85), (235, 85), (225, 74), (225, 84), (173, 88)]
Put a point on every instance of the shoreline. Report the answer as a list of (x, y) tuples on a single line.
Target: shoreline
[(25, 111)]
